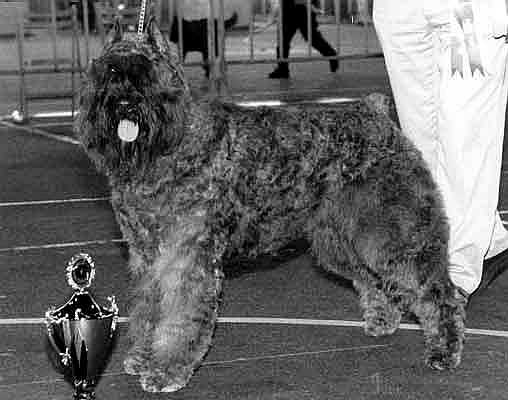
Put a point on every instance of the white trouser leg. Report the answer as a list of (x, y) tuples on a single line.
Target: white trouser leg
[(457, 122)]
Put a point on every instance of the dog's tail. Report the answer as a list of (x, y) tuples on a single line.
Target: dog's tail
[(383, 104), (231, 21)]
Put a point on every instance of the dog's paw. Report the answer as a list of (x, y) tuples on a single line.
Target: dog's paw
[(442, 360), (134, 364), (159, 382), (379, 327), (381, 323)]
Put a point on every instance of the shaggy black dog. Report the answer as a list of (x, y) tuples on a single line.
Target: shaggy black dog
[(195, 36), (197, 184)]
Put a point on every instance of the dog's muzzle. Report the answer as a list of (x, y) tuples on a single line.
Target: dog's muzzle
[(128, 128)]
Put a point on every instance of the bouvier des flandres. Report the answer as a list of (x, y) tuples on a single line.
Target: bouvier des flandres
[(197, 184)]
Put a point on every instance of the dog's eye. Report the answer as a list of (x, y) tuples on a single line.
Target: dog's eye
[(113, 70)]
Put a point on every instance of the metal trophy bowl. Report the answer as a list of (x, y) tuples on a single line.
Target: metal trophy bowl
[(81, 331)]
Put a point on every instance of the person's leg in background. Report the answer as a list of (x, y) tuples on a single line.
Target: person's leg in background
[(318, 41), (289, 28)]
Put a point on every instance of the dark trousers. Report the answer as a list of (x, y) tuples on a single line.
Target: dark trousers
[(294, 17)]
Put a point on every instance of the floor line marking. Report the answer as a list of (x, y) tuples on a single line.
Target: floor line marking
[(40, 132), (61, 245), (280, 103), (278, 321), (222, 362), (298, 354), (53, 124), (74, 244), (51, 202)]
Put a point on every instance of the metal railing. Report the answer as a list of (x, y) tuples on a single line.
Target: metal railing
[(84, 46)]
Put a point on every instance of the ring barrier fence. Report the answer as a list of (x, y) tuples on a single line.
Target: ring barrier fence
[(71, 45)]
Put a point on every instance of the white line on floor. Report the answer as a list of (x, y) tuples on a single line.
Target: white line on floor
[(72, 244), (61, 245), (53, 124), (52, 202), (278, 103), (277, 321), (299, 354), (55, 114), (223, 362), (40, 132)]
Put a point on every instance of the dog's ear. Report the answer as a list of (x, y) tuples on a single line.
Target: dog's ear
[(116, 32), (170, 95), (154, 36)]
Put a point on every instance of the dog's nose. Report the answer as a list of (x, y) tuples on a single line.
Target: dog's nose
[(125, 106)]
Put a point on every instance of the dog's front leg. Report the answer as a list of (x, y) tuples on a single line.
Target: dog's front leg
[(178, 305)]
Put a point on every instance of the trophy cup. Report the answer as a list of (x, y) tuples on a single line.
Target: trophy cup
[(81, 331)]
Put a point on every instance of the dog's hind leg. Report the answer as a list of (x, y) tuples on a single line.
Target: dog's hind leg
[(442, 315), (381, 315)]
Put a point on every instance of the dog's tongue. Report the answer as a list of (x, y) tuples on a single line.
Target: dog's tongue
[(127, 130)]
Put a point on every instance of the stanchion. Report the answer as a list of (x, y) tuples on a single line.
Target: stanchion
[(221, 47), (20, 115), (53, 30), (211, 48), (86, 30), (309, 28), (336, 5), (76, 56)]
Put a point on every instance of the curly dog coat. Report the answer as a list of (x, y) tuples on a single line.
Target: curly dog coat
[(197, 184)]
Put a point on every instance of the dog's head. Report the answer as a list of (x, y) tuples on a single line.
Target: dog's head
[(133, 103)]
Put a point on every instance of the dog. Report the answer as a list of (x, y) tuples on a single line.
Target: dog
[(198, 184), (195, 36)]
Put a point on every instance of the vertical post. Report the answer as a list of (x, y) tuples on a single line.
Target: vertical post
[(211, 46), (86, 30), (251, 32), (53, 29), (75, 55), (221, 46), (309, 30), (366, 29), (179, 21), (20, 33), (170, 15), (336, 5), (280, 33)]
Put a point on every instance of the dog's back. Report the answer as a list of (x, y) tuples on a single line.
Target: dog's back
[(272, 167)]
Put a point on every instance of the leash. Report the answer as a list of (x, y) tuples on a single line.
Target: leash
[(141, 18)]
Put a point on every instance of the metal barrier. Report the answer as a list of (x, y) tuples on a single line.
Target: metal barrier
[(84, 46)]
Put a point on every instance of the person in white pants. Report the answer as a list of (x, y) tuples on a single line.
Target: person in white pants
[(447, 64)]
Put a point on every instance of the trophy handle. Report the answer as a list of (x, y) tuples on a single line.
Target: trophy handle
[(65, 358)]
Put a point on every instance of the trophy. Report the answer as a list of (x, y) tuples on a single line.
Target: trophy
[(81, 331)]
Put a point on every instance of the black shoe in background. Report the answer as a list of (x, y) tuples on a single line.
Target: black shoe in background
[(492, 268), (279, 73), (334, 65)]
